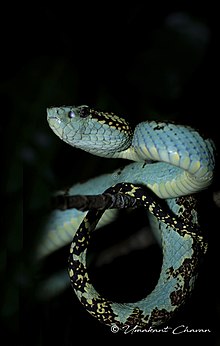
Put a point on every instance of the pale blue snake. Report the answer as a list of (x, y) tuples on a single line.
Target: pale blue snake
[(171, 160)]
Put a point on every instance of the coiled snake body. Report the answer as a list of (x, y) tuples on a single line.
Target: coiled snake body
[(171, 160)]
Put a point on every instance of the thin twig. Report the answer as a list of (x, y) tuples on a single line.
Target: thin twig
[(88, 202)]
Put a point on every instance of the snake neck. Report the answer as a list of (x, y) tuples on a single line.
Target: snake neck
[(178, 146)]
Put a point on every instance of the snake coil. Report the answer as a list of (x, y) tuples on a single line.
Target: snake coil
[(173, 161)]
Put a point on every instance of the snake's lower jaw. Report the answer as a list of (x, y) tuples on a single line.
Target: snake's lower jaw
[(54, 123)]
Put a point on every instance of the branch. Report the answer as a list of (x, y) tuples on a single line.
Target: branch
[(88, 202), (103, 201)]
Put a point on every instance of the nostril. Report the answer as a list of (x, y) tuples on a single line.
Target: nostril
[(71, 114)]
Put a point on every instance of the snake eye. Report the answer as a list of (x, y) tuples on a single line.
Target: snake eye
[(84, 112), (71, 114)]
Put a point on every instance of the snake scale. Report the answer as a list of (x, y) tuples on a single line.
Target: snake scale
[(174, 162)]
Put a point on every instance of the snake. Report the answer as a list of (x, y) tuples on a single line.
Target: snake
[(170, 163)]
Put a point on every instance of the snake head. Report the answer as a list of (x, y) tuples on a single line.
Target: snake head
[(100, 133)]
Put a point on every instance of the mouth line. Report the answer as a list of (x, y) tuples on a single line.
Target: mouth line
[(49, 117)]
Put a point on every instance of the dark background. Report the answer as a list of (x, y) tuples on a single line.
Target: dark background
[(140, 61)]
